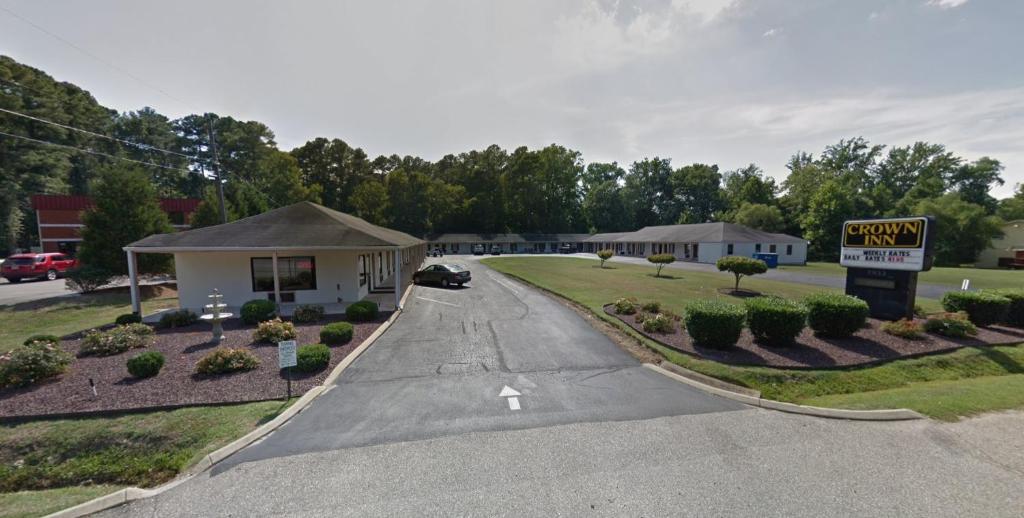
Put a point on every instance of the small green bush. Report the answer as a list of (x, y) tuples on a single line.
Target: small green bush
[(362, 311), (625, 306), (1015, 313), (714, 324), (116, 340), (983, 308), (313, 357), (53, 339), (87, 279), (223, 360), (179, 318), (336, 333), (32, 362), (774, 320), (740, 266), (659, 261), (605, 255), (145, 365), (659, 323), (953, 325), (904, 328), (651, 307), (273, 331), (258, 310), (835, 314), (308, 313), (128, 318)]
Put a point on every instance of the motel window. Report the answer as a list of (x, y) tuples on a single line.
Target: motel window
[(363, 271), (757, 248), (728, 249), (789, 249), (295, 273), (772, 249)]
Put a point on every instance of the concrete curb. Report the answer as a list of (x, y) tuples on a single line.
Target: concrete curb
[(123, 496), (896, 414)]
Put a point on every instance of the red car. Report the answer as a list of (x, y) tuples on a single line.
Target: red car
[(34, 266)]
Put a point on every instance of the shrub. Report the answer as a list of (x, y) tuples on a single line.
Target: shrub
[(740, 266), (714, 324), (1015, 312), (983, 308), (904, 328), (308, 313), (336, 333), (32, 362), (145, 365), (273, 331), (835, 314), (362, 311), (625, 306), (660, 260), (659, 323), (179, 318), (87, 279), (258, 310), (116, 340), (775, 321), (605, 255), (128, 318), (311, 358), (651, 307), (223, 360), (953, 325), (53, 339)]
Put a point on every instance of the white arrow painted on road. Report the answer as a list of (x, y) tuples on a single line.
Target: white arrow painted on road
[(512, 395)]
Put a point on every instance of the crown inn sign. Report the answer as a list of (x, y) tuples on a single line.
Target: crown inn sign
[(882, 257)]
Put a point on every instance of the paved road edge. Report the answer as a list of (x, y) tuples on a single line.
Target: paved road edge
[(128, 494)]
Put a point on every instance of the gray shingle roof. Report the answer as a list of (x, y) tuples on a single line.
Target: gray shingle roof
[(705, 233), (506, 238), (606, 237), (303, 224)]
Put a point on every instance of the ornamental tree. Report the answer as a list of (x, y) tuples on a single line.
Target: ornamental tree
[(740, 266), (605, 255), (660, 260)]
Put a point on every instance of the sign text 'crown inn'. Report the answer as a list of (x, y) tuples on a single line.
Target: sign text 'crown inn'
[(889, 244)]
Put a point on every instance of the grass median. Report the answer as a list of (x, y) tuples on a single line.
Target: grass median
[(585, 283)]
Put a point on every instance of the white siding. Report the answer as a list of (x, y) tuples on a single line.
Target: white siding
[(710, 252)]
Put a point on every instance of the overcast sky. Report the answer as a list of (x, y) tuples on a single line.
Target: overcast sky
[(714, 81)]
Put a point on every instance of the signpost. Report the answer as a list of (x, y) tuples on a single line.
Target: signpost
[(286, 359), (882, 257)]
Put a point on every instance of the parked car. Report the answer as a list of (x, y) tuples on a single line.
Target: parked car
[(443, 274), (437, 253), (565, 248), (36, 266), (478, 249), (495, 250)]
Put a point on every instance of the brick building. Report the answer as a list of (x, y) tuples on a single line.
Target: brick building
[(59, 218)]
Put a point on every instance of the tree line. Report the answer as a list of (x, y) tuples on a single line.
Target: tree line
[(491, 190)]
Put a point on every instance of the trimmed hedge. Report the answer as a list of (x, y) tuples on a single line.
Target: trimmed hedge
[(362, 311), (53, 339), (1015, 313), (128, 318), (982, 308), (313, 357), (273, 331), (308, 313), (953, 325), (835, 314), (116, 340), (714, 324), (257, 310), (179, 318), (336, 333), (775, 321), (223, 360), (740, 266), (33, 362), (145, 365)]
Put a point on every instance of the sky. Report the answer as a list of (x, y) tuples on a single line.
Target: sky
[(729, 82)]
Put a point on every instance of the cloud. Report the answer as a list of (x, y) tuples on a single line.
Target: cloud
[(946, 4), (596, 38), (771, 32)]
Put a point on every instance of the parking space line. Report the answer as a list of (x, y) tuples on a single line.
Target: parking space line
[(504, 283), (438, 301)]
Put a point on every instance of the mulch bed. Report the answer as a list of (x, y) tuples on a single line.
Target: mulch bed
[(868, 346), (176, 384)]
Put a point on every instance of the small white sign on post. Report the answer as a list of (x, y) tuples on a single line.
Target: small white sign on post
[(286, 354)]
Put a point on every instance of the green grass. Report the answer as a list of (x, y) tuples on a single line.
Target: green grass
[(582, 281), (143, 449), (26, 504), (65, 315), (946, 400), (980, 278)]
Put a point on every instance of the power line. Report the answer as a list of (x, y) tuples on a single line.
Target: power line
[(83, 150), (145, 147)]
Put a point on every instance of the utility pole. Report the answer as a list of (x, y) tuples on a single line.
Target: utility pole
[(216, 174)]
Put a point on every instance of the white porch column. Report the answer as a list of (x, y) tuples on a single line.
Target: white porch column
[(277, 281), (398, 279), (134, 283)]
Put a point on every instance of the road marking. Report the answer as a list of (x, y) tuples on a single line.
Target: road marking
[(438, 301), (506, 284), (512, 395)]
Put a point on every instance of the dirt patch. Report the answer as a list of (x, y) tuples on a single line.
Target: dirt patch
[(868, 346), (177, 384)]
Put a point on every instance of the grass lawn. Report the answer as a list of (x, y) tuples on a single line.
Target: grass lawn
[(143, 450), (65, 315), (26, 504), (582, 281), (980, 278)]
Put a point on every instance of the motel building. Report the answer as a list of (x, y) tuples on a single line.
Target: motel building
[(507, 243), (701, 243), (299, 254), (59, 219)]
